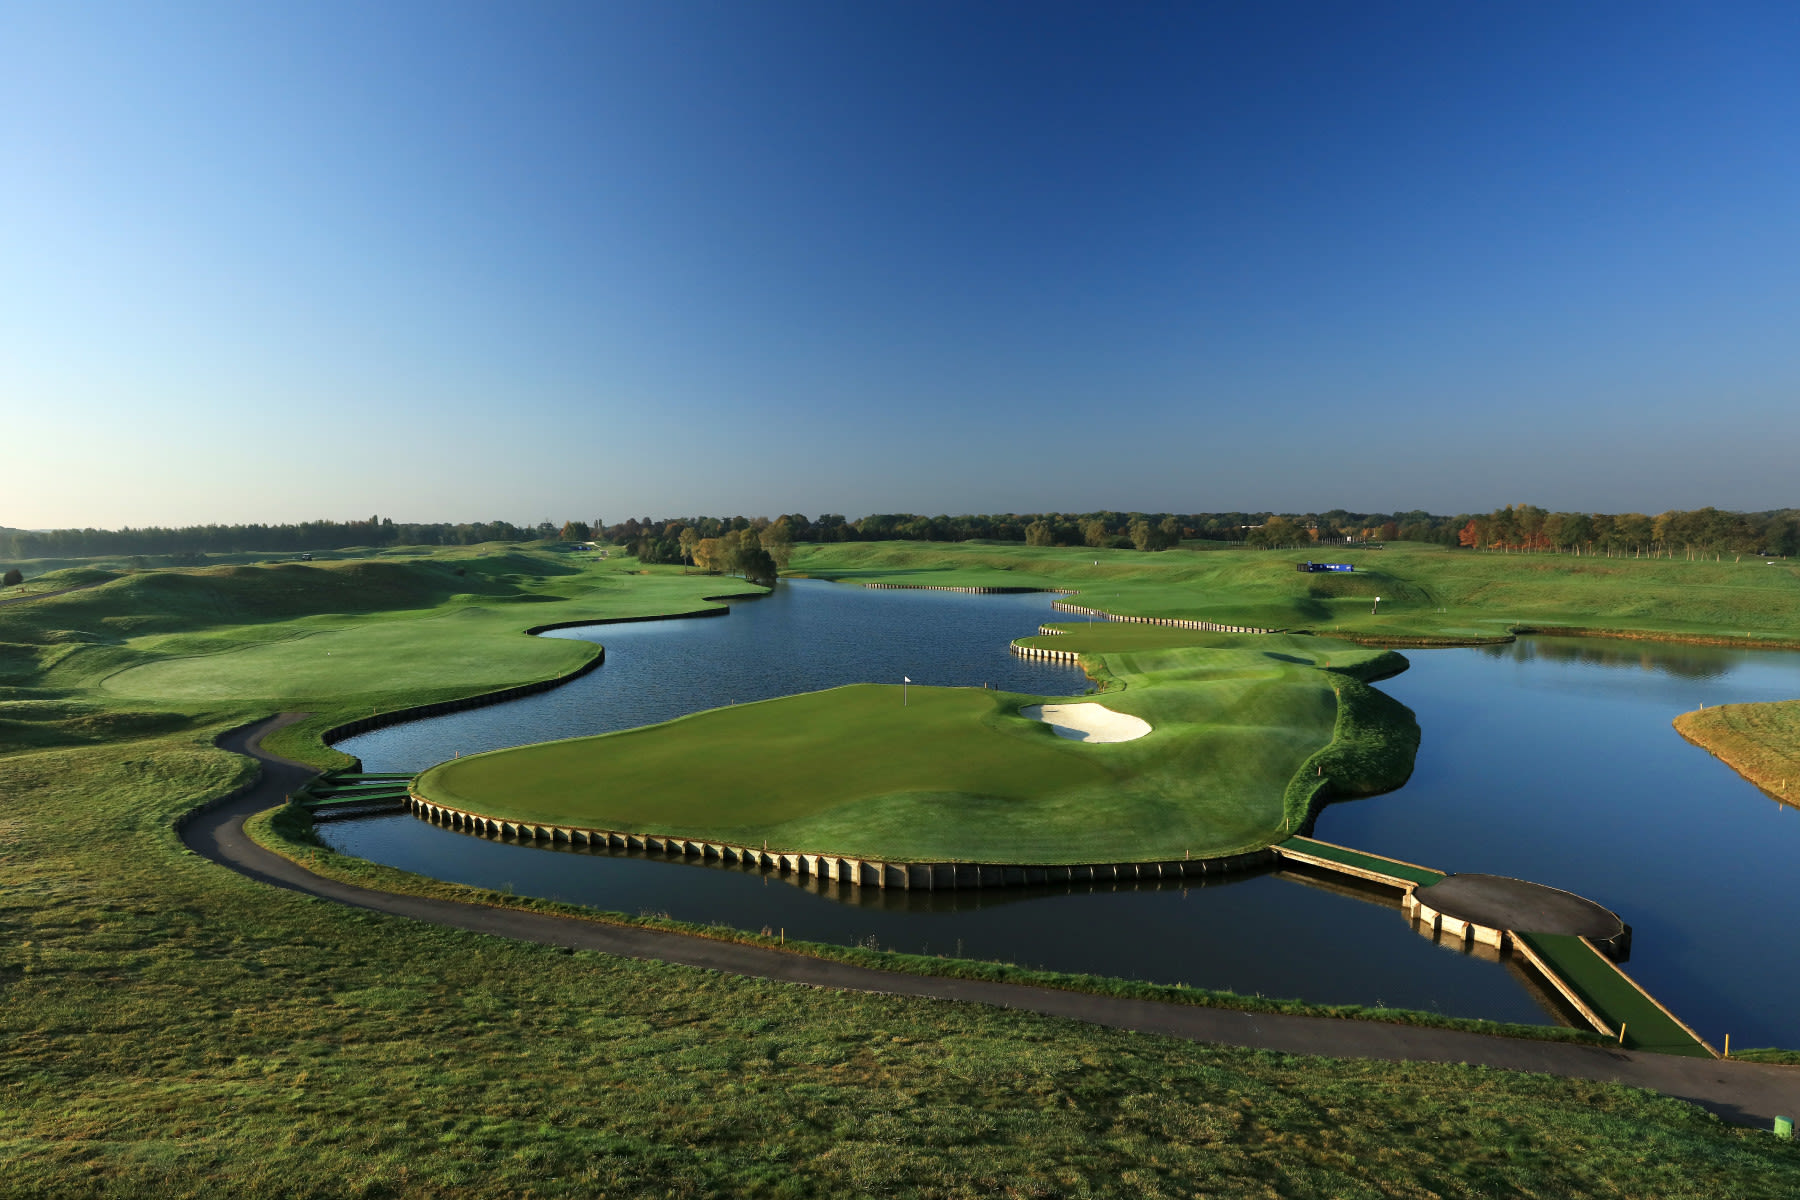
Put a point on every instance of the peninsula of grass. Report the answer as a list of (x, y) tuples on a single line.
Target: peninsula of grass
[(957, 774), (1429, 595), (1761, 742)]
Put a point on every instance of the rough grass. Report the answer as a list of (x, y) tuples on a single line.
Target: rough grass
[(173, 1029), (1761, 742), (1769, 1054), (1427, 593)]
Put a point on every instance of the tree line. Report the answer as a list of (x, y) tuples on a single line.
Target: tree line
[(736, 544), (307, 536), (1526, 528)]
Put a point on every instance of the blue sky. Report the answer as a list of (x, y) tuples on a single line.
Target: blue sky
[(448, 262)]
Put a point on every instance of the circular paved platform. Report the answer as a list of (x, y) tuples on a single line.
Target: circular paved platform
[(1502, 903)]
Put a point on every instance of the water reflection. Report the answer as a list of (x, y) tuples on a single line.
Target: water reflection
[(1255, 932), (1688, 662), (1549, 759)]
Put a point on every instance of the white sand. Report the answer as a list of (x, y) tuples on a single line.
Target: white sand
[(1088, 722)]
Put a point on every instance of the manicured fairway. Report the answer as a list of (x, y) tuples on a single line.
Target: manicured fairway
[(956, 773), (1425, 591)]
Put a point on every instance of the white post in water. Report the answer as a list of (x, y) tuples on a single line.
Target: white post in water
[(904, 680)]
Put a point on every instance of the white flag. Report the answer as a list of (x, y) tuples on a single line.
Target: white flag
[(906, 679)]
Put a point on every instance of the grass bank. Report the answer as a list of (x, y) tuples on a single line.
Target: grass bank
[(1429, 595), (1761, 742)]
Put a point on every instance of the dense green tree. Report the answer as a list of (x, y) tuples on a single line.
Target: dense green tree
[(1781, 536), (12, 577)]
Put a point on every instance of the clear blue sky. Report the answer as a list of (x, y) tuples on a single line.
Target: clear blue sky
[(445, 262)]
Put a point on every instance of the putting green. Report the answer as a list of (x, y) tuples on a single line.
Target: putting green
[(956, 774)]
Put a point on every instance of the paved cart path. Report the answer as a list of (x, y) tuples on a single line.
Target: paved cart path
[(1751, 1093)]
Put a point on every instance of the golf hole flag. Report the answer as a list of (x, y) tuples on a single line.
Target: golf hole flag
[(904, 680)]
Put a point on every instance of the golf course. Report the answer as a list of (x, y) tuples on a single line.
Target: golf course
[(181, 1029), (960, 774), (1427, 594)]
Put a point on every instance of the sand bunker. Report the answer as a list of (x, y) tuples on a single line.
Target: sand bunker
[(1088, 722)]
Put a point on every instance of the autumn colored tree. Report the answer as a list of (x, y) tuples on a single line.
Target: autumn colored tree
[(708, 555), (778, 541)]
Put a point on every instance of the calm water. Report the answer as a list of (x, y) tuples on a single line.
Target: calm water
[(804, 636), (1263, 933), (1551, 760)]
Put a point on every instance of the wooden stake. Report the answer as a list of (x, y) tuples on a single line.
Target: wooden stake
[(1621, 1033)]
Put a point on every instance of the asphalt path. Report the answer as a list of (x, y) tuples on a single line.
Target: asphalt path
[(1748, 1093)]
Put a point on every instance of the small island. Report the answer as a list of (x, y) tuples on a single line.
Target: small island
[(1234, 741)]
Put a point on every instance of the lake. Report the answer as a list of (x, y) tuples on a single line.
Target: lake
[(1549, 759)]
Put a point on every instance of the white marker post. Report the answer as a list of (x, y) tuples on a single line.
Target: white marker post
[(904, 680), (1375, 606)]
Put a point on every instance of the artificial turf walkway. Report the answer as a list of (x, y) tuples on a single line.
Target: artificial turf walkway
[(1393, 868), (1608, 992)]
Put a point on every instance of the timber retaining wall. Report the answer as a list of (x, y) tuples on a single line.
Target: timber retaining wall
[(984, 591), (838, 868), (1172, 622)]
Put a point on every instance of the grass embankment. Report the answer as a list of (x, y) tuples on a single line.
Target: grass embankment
[(1429, 594), (958, 774), (1761, 742), (289, 831), (174, 1029)]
